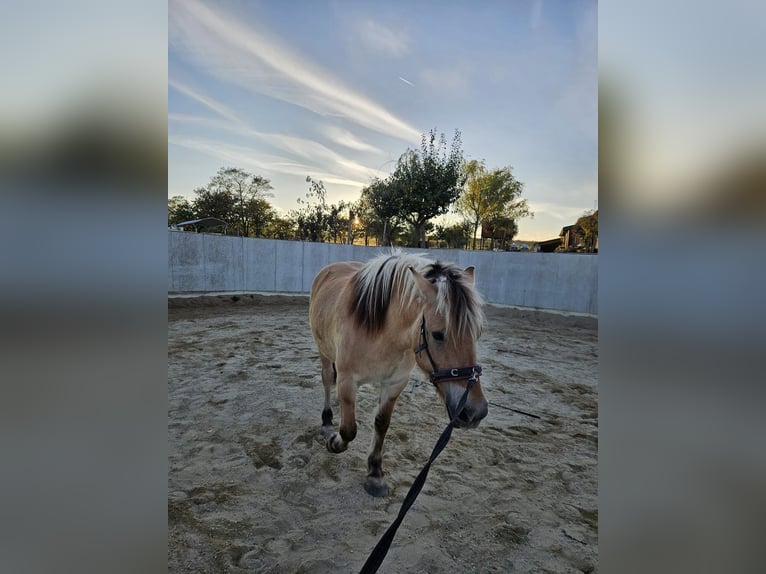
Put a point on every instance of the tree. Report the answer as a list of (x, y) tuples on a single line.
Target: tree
[(214, 203), (180, 209), (337, 224), (315, 220), (490, 195), (279, 228), (378, 208), (500, 227), (587, 226), (237, 197), (424, 185), (454, 236), (312, 218), (245, 189), (260, 214)]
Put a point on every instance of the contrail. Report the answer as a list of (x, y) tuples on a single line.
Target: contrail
[(406, 81)]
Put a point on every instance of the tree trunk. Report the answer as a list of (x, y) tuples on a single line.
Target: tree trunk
[(420, 235)]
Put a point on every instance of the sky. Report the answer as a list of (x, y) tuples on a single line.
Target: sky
[(338, 90)]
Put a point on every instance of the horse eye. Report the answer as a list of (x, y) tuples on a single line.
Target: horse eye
[(437, 335)]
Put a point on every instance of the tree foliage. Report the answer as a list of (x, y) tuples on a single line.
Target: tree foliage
[(233, 195), (310, 218), (424, 185), (499, 227), (246, 193), (279, 228), (587, 226), (378, 208), (316, 220), (180, 209), (455, 236), (214, 203), (491, 196)]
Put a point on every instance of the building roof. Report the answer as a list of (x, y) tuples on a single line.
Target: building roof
[(567, 228), (554, 241), (204, 222)]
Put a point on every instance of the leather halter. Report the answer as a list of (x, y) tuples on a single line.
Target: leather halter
[(444, 375)]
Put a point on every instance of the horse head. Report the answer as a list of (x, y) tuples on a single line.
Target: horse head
[(451, 324)]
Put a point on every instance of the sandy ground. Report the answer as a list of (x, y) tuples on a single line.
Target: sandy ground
[(252, 488)]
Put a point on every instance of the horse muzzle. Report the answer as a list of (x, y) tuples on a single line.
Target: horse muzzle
[(474, 410), (470, 416)]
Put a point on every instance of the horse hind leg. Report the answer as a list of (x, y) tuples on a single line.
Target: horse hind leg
[(329, 374)]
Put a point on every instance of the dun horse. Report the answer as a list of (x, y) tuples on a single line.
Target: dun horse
[(372, 322)]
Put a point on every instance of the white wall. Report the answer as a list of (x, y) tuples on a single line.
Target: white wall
[(200, 262)]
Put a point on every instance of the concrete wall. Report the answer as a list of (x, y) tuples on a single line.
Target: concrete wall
[(199, 262)]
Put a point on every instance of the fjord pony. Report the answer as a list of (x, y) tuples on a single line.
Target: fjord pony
[(369, 321)]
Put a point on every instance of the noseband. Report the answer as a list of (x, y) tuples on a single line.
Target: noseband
[(444, 375)]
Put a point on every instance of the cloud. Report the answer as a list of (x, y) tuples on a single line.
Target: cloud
[(349, 140), (307, 149), (210, 103), (252, 59), (250, 158), (308, 155), (559, 212), (381, 39)]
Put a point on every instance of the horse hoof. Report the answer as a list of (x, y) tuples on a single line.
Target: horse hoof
[(335, 444), (326, 431), (375, 487)]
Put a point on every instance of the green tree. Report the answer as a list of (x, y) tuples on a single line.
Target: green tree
[(426, 184), (311, 217), (454, 236), (378, 208), (315, 220), (337, 223), (279, 228), (180, 209), (260, 214), (490, 196), (499, 227), (214, 203), (245, 189), (587, 226)]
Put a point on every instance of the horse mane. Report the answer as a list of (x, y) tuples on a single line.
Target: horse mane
[(376, 284)]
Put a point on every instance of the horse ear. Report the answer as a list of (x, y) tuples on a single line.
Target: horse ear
[(424, 285), (469, 274)]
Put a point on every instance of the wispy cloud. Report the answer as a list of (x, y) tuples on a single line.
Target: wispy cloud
[(244, 56), (406, 81), (209, 103), (315, 152), (251, 158), (380, 38), (349, 140), (313, 156), (561, 213)]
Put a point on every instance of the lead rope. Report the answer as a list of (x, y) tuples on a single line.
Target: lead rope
[(378, 553)]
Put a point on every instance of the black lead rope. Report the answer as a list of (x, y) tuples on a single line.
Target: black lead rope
[(381, 548)]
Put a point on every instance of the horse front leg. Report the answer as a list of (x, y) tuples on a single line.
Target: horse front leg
[(375, 485), (328, 381), (338, 441)]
